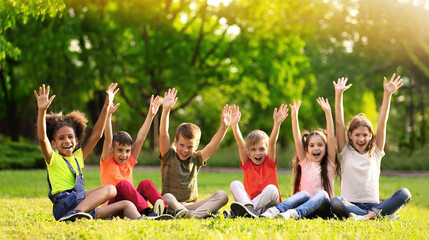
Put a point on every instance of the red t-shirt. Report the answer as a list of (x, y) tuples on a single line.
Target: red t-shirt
[(257, 177), (112, 173)]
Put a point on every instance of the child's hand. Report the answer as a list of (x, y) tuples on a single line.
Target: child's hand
[(111, 94), (154, 105), (236, 114), (226, 115), (341, 86), (112, 108), (324, 103), (394, 84), (42, 98), (169, 98), (280, 115), (294, 108)]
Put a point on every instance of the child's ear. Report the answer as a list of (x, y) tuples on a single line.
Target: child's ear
[(53, 144)]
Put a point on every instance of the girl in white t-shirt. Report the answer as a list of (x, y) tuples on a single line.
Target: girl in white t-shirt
[(314, 170), (361, 158)]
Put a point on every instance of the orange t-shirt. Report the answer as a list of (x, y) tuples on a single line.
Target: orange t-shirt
[(257, 177), (112, 173)]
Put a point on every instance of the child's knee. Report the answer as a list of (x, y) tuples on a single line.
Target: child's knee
[(337, 203), (405, 194), (222, 196), (110, 191), (146, 183), (235, 184)]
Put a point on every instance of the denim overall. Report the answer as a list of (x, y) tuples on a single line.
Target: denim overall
[(67, 200)]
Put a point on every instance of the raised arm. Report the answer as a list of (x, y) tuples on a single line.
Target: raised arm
[(97, 131), (214, 143), (141, 136), (164, 139), (107, 145), (299, 147), (278, 116), (324, 104), (340, 87), (389, 88), (43, 102), (235, 118)]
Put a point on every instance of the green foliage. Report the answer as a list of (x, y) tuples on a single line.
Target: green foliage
[(26, 212), (15, 155)]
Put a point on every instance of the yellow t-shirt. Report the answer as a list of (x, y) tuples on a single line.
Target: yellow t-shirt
[(60, 175)]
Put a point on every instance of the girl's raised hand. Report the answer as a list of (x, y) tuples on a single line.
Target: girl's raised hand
[(169, 98), (154, 105), (43, 100), (111, 92), (280, 115), (394, 84), (226, 115), (340, 85), (236, 114), (324, 103), (295, 107)]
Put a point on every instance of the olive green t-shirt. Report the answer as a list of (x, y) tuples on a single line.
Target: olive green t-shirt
[(180, 177)]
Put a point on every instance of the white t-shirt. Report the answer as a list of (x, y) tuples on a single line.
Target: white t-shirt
[(360, 175), (311, 178)]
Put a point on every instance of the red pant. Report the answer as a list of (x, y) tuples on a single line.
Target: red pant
[(146, 191)]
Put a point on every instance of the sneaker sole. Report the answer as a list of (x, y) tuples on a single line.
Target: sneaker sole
[(158, 207), (240, 210), (72, 218), (181, 214)]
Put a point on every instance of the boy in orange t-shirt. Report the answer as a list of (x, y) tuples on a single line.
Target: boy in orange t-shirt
[(117, 161), (259, 189)]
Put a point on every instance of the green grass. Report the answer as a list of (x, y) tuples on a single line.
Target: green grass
[(26, 213)]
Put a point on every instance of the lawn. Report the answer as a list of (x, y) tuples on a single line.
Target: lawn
[(25, 213)]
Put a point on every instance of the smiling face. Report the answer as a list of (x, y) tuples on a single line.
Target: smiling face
[(65, 141), (360, 138), (316, 148), (185, 147), (121, 153), (258, 152)]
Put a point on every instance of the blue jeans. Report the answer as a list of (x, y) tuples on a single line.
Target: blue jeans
[(341, 207), (316, 206)]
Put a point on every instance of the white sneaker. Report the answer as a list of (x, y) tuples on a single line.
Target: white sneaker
[(271, 212), (291, 213), (158, 207), (392, 217), (357, 217)]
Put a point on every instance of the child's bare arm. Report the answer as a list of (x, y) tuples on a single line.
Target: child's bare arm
[(299, 147), (340, 87), (278, 116), (219, 135), (389, 88), (324, 104), (107, 145), (141, 136), (98, 129), (235, 118), (168, 102), (43, 102)]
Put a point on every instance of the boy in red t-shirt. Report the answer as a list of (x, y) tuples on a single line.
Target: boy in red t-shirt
[(117, 161), (259, 189)]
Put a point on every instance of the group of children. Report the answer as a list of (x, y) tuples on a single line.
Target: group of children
[(314, 168)]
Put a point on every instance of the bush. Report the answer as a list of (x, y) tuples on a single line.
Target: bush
[(18, 155)]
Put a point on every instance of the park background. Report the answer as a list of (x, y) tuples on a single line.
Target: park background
[(256, 54)]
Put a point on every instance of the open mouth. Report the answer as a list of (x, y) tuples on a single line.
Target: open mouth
[(316, 155), (258, 158)]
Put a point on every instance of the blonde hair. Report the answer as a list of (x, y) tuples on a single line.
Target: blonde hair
[(357, 121), (255, 136)]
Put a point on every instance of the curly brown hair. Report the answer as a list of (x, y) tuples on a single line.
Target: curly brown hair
[(75, 119)]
